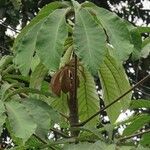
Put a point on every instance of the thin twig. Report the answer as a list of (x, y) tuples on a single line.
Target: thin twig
[(27, 90), (41, 140), (145, 93), (60, 133), (116, 100), (63, 115), (133, 135), (3, 24)]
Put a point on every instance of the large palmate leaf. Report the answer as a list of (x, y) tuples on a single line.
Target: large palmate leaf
[(2, 116), (24, 45), (87, 96), (51, 39), (89, 40), (116, 30), (114, 84), (20, 120), (136, 124)]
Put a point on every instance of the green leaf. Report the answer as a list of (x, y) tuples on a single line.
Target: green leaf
[(16, 4), (4, 88), (145, 140), (37, 76), (146, 48), (66, 58), (99, 145), (136, 124), (91, 133), (20, 120), (61, 105), (2, 116), (88, 99), (4, 61), (43, 13), (33, 142), (141, 148), (16, 140), (114, 84), (24, 45), (136, 40), (140, 103), (144, 29), (89, 40), (51, 39), (35, 62), (117, 32), (25, 49), (41, 113)]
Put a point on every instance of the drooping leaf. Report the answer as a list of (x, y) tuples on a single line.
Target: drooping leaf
[(42, 114), (61, 105), (33, 142), (4, 61), (140, 103), (20, 120), (145, 48), (144, 29), (66, 58), (145, 139), (51, 39), (16, 140), (37, 76), (116, 30), (25, 49), (24, 45), (89, 40), (114, 84), (35, 62), (88, 99), (2, 116), (136, 124), (99, 145), (136, 40), (4, 88), (43, 13)]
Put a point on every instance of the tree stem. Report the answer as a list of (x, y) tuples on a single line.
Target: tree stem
[(116, 100), (73, 102)]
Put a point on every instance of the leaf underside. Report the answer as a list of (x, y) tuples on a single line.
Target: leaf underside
[(89, 40), (114, 84)]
